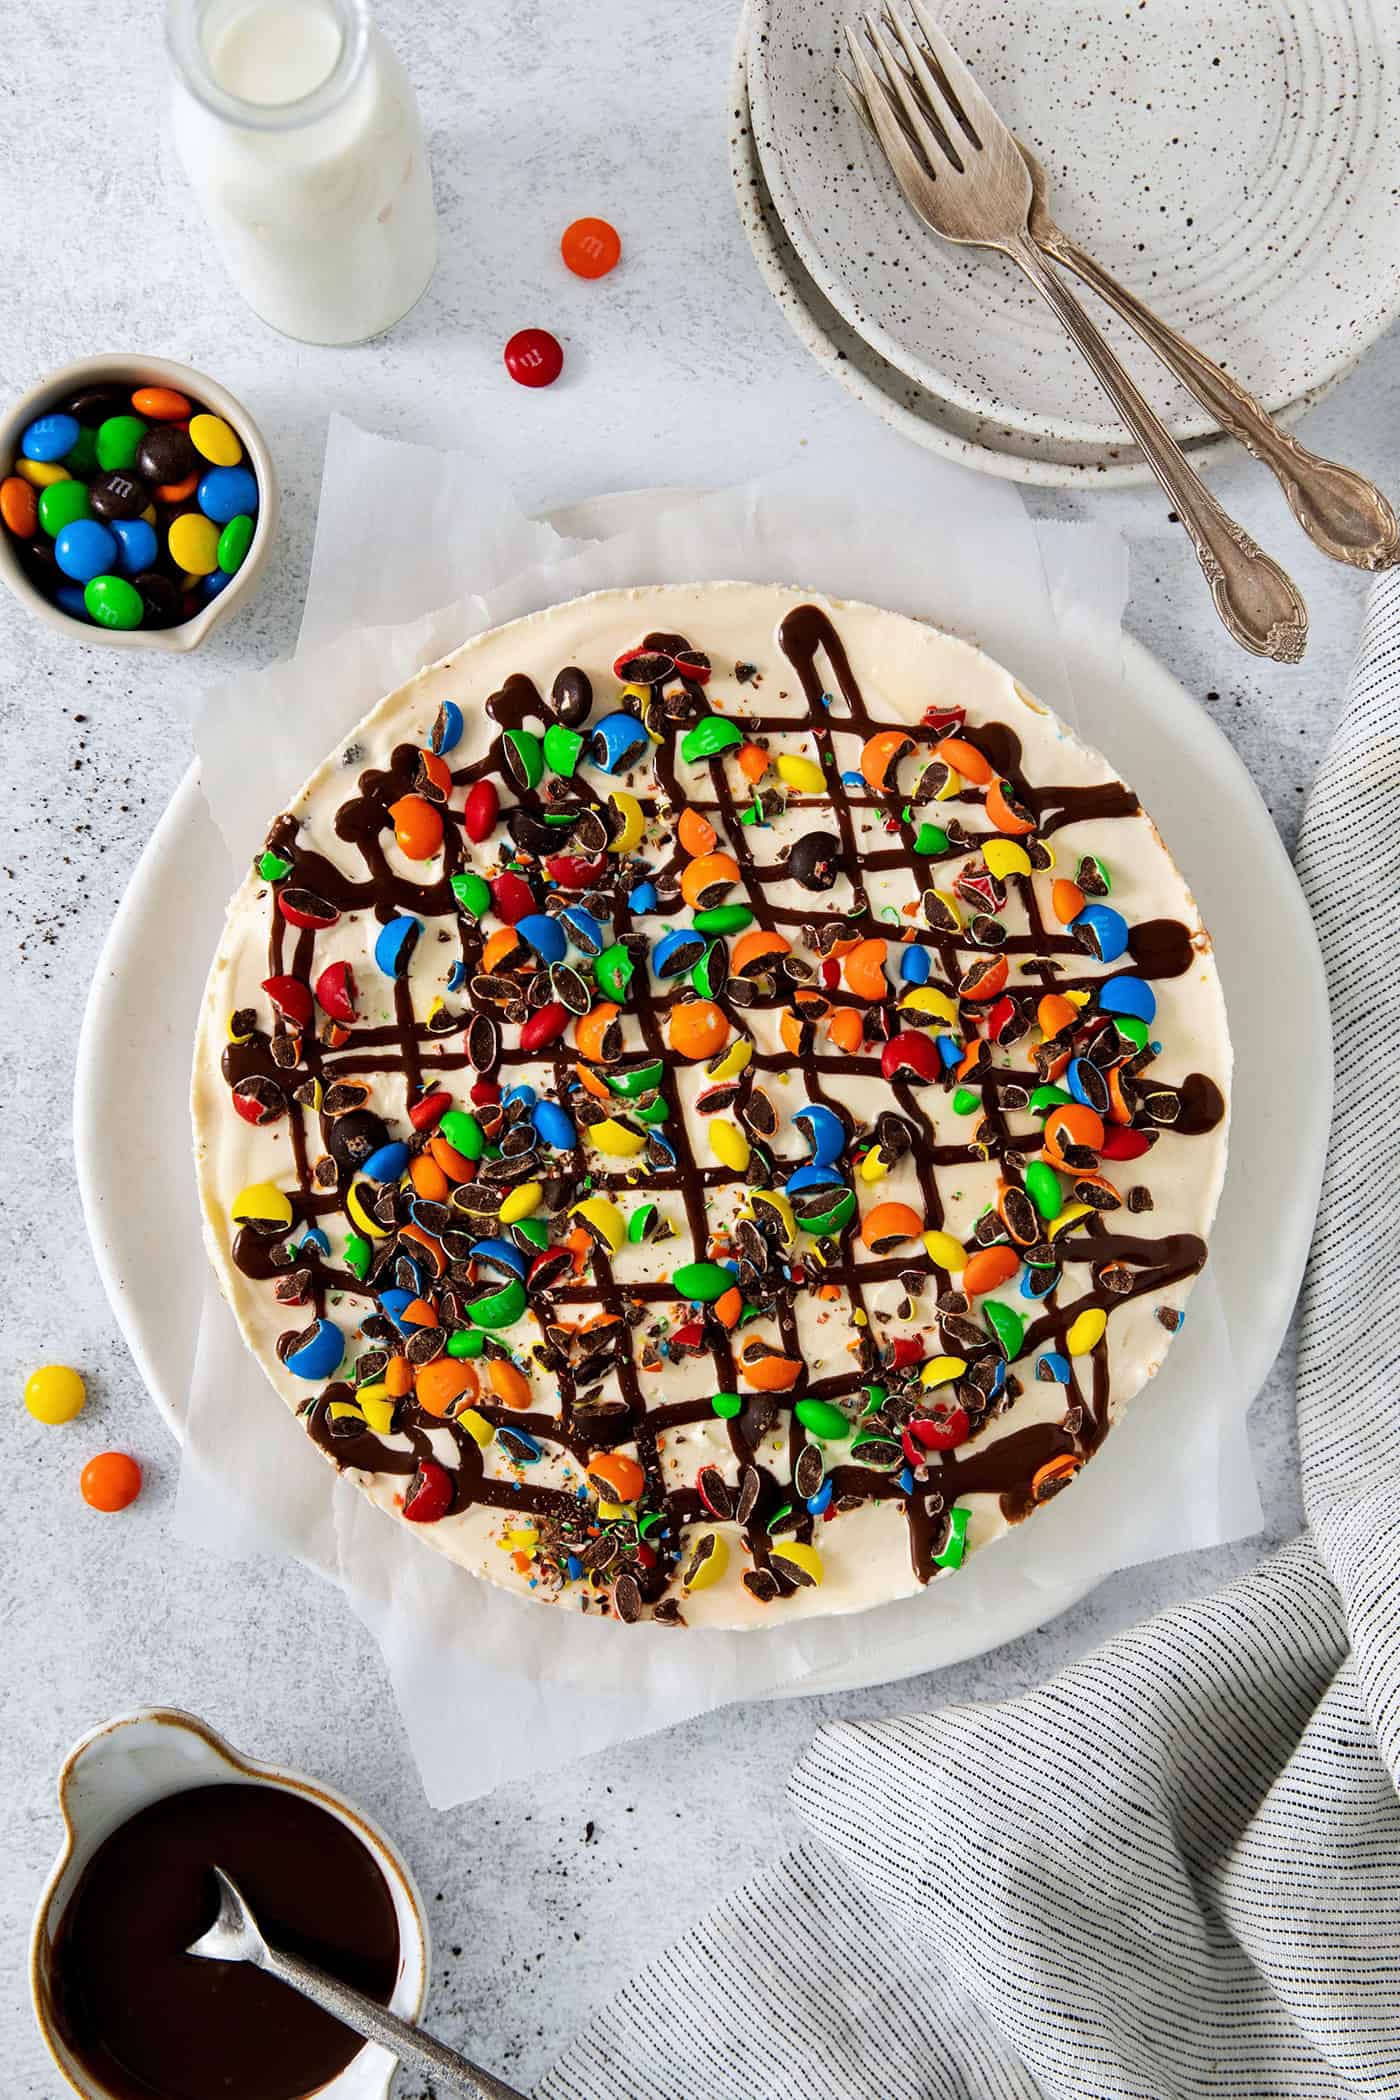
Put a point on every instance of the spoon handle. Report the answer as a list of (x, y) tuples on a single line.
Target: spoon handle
[(1341, 511), (451, 2072)]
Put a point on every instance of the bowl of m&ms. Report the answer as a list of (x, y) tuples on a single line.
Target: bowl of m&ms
[(137, 502)]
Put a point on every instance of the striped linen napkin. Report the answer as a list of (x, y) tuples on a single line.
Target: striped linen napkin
[(1175, 1870)]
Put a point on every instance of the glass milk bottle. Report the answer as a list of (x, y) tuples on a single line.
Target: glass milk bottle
[(299, 132)]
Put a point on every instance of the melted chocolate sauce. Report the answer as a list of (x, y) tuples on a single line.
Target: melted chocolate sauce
[(1013, 1466), (151, 2022)]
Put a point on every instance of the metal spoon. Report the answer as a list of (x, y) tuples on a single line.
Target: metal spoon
[(234, 1936)]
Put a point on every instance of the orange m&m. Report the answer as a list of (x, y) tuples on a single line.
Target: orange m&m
[(698, 1029), (1004, 813), (988, 1267), (398, 1377), (508, 1383), (846, 1030), (1067, 899), (864, 969), (417, 827), (884, 1227), (614, 1477), (965, 760), (753, 946), (111, 1481), (443, 1381), (1055, 1014), (704, 881), (767, 1369), (429, 1178), (160, 403), (696, 833), (19, 507), (1075, 1125), (880, 756), (591, 247)]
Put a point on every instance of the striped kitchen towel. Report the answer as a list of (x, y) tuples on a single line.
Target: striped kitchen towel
[(1175, 1870)]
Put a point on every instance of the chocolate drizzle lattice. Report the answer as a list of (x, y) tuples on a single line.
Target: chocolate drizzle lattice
[(603, 1326)]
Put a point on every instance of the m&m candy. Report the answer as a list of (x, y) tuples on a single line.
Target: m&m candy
[(590, 247), (533, 357), (215, 440), (85, 549), (194, 543), (137, 547), (111, 1481), (224, 492), (55, 1393), (161, 404), (49, 438)]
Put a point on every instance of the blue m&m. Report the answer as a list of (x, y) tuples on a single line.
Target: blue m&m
[(618, 741), (85, 549), (318, 1353), (1128, 995), (50, 438), (227, 492), (137, 546), (1102, 930), (394, 944)]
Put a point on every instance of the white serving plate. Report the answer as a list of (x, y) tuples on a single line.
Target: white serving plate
[(980, 442), (131, 1087), (1237, 168)]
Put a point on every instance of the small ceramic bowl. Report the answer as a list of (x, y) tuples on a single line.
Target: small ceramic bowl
[(130, 370), (125, 1765)]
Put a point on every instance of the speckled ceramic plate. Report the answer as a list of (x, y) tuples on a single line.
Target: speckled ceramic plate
[(924, 418), (131, 1134), (1236, 168)]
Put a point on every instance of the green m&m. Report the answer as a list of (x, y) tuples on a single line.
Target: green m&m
[(63, 503), (234, 542), (711, 735), (118, 442), (113, 602)]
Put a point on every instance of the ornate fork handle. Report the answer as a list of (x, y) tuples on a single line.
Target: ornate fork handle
[(1255, 599), (1341, 512)]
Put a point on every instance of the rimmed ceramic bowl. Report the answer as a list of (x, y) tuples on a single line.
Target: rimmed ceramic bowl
[(123, 1766), (130, 369)]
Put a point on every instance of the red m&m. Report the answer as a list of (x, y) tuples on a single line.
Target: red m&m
[(533, 357)]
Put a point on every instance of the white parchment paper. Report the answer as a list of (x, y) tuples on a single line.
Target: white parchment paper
[(427, 549)]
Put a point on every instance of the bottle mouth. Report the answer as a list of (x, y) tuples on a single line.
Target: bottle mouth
[(196, 31)]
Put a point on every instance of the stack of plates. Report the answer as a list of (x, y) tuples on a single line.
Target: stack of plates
[(1238, 170)]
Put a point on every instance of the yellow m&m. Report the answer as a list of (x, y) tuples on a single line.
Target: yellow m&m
[(194, 543), (54, 1393), (216, 440)]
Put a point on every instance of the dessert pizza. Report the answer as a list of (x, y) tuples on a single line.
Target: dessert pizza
[(709, 1103)]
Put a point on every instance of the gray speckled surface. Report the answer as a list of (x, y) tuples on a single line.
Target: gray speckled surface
[(680, 371)]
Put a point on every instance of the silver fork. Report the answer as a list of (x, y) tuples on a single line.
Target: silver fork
[(1340, 510), (961, 169)]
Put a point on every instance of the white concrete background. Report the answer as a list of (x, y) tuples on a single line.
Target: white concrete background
[(679, 371)]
